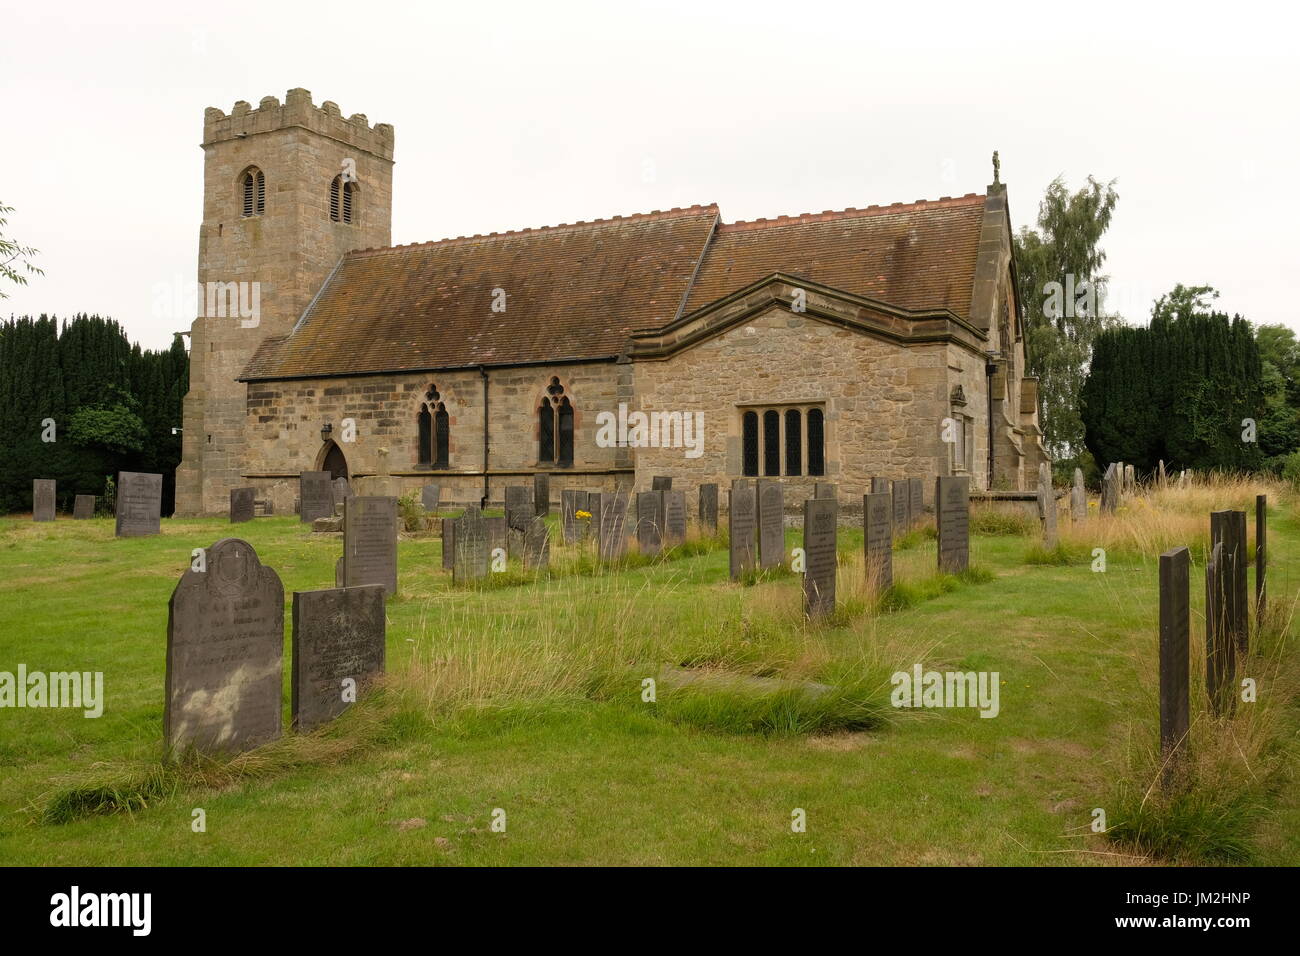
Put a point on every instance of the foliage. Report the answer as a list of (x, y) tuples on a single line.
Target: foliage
[(12, 252)]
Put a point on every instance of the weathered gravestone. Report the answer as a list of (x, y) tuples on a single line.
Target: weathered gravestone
[(771, 523), (139, 504), (370, 542), (83, 507), (342, 491), (1160, 473), (877, 539), (448, 543), (613, 526), (43, 491), (338, 649), (1229, 529), (500, 537), (430, 496), (537, 544), (661, 483), (649, 521), (901, 494), (315, 496), (824, 489), (674, 518), (571, 526), (225, 642), (542, 494), (709, 508), (1047, 505), (1261, 557), (880, 486), (741, 523), (241, 504), (1220, 657), (952, 516), (1078, 498), (595, 502), (519, 507), (1130, 482), (820, 520), (916, 500), (1110, 489), (470, 547), (1175, 714)]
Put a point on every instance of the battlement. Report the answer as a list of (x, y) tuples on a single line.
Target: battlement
[(297, 110)]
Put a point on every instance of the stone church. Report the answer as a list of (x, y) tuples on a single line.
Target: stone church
[(833, 346)]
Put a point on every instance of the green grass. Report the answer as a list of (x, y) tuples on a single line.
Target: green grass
[(530, 698)]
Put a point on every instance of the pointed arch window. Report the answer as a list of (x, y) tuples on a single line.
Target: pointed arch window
[(555, 429), (343, 199), (434, 425), (252, 185)]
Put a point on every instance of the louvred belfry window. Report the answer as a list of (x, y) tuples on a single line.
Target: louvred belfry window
[(555, 430), (342, 196), (253, 187)]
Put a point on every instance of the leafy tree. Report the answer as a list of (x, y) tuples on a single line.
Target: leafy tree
[(15, 259)]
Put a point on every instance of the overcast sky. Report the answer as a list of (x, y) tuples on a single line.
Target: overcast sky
[(514, 115)]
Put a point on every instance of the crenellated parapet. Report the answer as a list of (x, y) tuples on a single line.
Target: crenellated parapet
[(297, 110)]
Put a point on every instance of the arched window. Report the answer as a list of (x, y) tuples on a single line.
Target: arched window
[(435, 430), (793, 442), (253, 186), (816, 439), (343, 195), (749, 425), (555, 427), (771, 442)]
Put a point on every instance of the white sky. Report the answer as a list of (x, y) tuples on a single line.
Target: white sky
[(512, 115)]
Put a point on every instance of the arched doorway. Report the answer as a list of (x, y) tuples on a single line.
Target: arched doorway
[(332, 460)]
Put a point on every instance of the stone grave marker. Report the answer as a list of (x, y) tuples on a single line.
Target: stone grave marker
[(338, 650), (1229, 529), (709, 508), (43, 491), (571, 526), (1110, 489), (880, 486), (742, 523), (542, 494), (901, 499), (649, 521), (820, 520), (595, 501), (613, 526), (1047, 505), (1175, 713), (1220, 656), (1078, 498), (500, 535), (1261, 557), (225, 642), (878, 539), (370, 542), (952, 516), (470, 547), (448, 543), (537, 544), (916, 502), (241, 504), (315, 496), (139, 504), (674, 518), (661, 483), (430, 497), (83, 507), (338, 572), (1130, 482), (342, 491), (771, 523), (824, 489), (519, 507)]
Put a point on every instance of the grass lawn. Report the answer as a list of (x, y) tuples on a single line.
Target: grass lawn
[(527, 698)]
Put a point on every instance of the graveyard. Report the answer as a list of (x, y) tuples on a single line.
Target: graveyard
[(657, 677)]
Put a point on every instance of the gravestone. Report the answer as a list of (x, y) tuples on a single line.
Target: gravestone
[(315, 496), (1047, 505), (820, 520), (741, 522), (83, 507), (661, 483), (674, 518), (338, 650), (613, 526), (470, 547), (430, 496), (1220, 657), (824, 489), (225, 643), (877, 539), (709, 508), (916, 502), (342, 491), (338, 572), (537, 544), (241, 504), (139, 504), (595, 501), (542, 494), (771, 523), (448, 543), (1078, 498), (370, 542), (952, 516), (571, 526), (1110, 489), (880, 486), (43, 491), (649, 521), (1130, 482), (1160, 472), (519, 507), (500, 536), (901, 498), (1229, 529), (1175, 713), (1261, 557)]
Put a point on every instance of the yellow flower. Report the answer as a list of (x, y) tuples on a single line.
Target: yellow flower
[(582, 514)]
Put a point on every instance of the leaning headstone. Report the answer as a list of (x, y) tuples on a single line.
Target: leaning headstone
[(338, 649), (519, 507), (241, 504), (43, 490), (709, 508), (674, 518), (1220, 659), (771, 523), (537, 544), (741, 522), (225, 645), (902, 495), (1261, 557), (1110, 489), (448, 544), (470, 547), (1229, 529), (649, 521), (316, 496), (1078, 498), (370, 542), (952, 516), (916, 500), (661, 483), (1175, 713), (430, 496), (542, 494), (1047, 505), (877, 539), (824, 489), (83, 507), (820, 520), (613, 526), (139, 504)]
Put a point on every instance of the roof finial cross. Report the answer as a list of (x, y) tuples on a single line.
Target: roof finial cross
[(997, 167)]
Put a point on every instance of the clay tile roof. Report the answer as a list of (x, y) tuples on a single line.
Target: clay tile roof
[(572, 292), (917, 256)]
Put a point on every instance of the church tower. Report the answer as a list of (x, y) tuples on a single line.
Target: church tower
[(287, 190)]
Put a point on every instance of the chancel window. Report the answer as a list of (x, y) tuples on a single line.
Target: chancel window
[(435, 430), (555, 427), (783, 441)]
